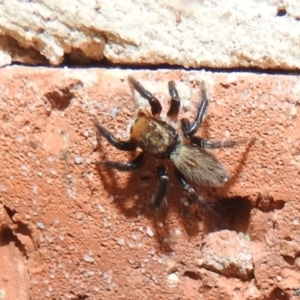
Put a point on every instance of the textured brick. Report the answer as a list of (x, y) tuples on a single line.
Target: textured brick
[(84, 232)]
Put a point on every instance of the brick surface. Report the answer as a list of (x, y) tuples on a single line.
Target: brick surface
[(83, 232)]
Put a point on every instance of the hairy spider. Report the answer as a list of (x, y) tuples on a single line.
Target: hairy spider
[(160, 140)]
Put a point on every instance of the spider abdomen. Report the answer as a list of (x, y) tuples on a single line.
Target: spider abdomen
[(198, 165)]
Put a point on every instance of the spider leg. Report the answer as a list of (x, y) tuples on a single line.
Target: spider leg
[(175, 101), (121, 145), (129, 166), (154, 103), (192, 193), (163, 181), (219, 144), (190, 129)]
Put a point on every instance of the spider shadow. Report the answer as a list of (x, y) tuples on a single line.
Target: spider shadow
[(235, 211), (238, 170), (132, 198)]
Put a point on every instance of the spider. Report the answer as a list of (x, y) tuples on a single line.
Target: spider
[(160, 140)]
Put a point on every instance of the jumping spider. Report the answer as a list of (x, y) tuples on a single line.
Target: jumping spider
[(160, 140)]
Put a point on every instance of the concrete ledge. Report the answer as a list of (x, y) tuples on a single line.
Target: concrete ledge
[(187, 33)]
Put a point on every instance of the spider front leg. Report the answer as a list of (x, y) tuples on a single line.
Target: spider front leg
[(154, 103), (192, 193), (190, 129), (163, 182), (129, 166), (175, 101), (121, 145), (219, 144)]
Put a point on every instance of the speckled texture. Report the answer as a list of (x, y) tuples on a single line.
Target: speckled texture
[(83, 233)]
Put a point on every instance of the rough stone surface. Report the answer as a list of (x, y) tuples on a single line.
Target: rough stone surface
[(78, 232), (228, 253), (189, 33)]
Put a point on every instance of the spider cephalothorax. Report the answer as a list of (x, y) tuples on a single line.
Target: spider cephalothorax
[(160, 140)]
